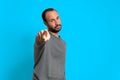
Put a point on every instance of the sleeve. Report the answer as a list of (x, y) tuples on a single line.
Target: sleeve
[(38, 47)]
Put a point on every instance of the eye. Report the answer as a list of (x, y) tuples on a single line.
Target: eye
[(52, 20), (58, 17)]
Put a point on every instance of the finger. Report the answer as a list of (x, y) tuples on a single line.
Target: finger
[(47, 35), (41, 33), (38, 36), (44, 33)]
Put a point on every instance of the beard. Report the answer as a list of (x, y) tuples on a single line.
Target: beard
[(56, 29)]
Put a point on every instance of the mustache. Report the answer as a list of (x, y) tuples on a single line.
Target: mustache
[(57, 25)]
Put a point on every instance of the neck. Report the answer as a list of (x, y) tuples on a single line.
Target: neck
[(55, 34)]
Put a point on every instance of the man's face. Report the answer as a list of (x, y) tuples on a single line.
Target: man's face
[(53, 21)]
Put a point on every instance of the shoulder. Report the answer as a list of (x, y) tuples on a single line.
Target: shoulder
[(64, 42)]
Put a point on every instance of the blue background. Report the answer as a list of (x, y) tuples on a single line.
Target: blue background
[(91, 29)]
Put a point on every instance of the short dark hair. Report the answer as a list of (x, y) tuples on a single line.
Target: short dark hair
[(46, 10)]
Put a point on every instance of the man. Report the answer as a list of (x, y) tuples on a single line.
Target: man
[(49, 49)]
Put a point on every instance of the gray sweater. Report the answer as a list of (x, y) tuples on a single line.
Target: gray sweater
[(49, 59)]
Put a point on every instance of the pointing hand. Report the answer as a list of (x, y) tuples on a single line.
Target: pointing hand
[(43, 36)]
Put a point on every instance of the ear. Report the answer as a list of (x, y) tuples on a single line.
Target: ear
[(45, 23)]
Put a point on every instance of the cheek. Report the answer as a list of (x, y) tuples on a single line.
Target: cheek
[(51, 24), (59, 20)]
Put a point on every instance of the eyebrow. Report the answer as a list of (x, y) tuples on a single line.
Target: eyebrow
[(55, 18)]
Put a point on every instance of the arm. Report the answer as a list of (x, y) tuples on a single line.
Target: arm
[(41, 38)]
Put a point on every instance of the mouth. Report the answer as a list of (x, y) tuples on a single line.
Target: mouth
[(57, 27)]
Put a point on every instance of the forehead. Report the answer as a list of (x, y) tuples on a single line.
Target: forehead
[(51, 14)]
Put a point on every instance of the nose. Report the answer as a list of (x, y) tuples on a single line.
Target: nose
[(56, 22)]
